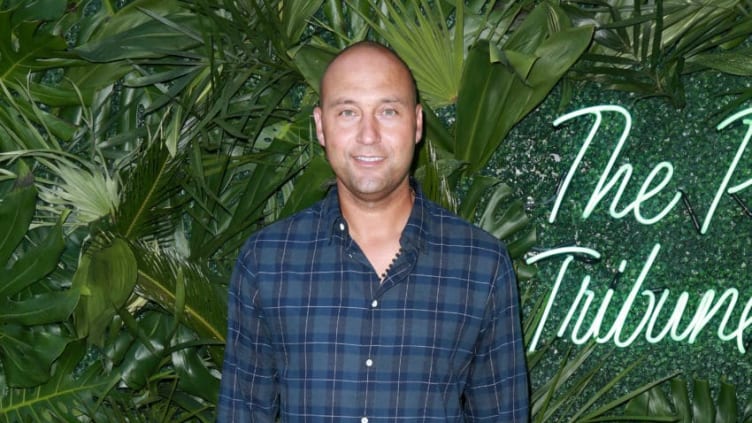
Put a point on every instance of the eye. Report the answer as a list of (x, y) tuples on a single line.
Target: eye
[(389, 112), (347, 113)]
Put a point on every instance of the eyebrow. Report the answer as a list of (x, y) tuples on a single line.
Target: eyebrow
[(384, 100)]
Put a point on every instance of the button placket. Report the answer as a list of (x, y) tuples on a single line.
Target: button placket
[(369, 361)]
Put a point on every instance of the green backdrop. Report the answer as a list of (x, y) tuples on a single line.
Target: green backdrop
[(535, 160)]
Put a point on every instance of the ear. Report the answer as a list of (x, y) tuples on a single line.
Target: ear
[(418, 123), (319, 125)]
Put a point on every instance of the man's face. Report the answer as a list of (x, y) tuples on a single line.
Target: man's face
[(368, 122)]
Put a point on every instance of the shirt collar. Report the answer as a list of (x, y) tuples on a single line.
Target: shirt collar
[(413, 236)]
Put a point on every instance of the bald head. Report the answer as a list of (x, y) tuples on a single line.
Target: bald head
[(381, 57), (368, 122)]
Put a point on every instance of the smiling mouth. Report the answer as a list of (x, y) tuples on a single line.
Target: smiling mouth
[(369, 159)]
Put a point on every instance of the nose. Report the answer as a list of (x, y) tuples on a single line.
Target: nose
[(369, 130)]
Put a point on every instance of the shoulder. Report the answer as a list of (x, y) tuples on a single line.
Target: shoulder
[(300, 228), (462, 247), (445, 227), (462, 242)]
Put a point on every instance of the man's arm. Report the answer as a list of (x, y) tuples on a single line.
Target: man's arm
[(248, 389), (497, 389)]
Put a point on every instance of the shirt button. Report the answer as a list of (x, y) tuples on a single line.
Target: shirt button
[(364, 420), (374, 303), (341, 226), (369, 363)]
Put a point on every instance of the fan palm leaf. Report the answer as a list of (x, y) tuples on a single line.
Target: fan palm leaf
[(420, 33)]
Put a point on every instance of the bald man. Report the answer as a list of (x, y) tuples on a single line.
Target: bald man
[(375, 304)]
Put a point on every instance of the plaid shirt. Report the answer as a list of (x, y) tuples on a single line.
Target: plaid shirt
[(314, 336)]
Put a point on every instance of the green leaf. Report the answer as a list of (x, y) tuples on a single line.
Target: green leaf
[(40, 10), (296, 16), (542, 404), (311, 62), (659, 404), (24, 49), (28, 125), (65, 397), (204, 308), (142, 359), (150, 39), (436, 134), (33, 265), (518, 247), (703, 409), (738, 62), (250, 197), (602, 410), (727, 406), (194, 375), (420, 33), (680, 396), (27, 353), (504, 224), (142, 356), (484, 90), (657, 36), (149, 184), (16, 211), (495, 96), (27, 346), (105, 278), (39, 309), (317, 176)]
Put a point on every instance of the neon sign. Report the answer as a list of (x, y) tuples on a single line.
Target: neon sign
[(641, 305)]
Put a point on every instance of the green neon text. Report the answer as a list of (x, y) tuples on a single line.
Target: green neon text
[(640, 304), (656, 181)]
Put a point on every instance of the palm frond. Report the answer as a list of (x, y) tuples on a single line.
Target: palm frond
[(183, 289), (421, 34), (150, 185), (675, 400), (164, 371), (64, 396), (645, 48)]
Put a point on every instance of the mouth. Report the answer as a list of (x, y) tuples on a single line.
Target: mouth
[(369, 159)]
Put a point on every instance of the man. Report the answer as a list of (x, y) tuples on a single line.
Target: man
[(374, 305)]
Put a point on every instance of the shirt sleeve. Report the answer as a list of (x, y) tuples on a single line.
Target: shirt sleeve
[(248, 389), (497, 389)]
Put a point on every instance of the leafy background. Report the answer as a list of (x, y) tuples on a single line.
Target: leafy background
[(142, 141)]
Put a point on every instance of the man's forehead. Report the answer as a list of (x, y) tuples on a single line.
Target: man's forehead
[(371, 60), (356, 100)]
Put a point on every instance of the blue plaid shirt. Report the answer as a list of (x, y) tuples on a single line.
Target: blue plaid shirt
[(314, 336)]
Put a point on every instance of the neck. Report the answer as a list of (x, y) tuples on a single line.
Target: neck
[(376, 226), (382, 219)]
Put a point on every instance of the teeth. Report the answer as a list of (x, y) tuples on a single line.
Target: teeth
[(368, 158)]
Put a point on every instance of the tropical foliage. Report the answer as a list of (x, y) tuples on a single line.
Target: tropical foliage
[(679, 405), (141, 142)]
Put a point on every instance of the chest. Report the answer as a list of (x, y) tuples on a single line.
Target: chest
[(333, 297)]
